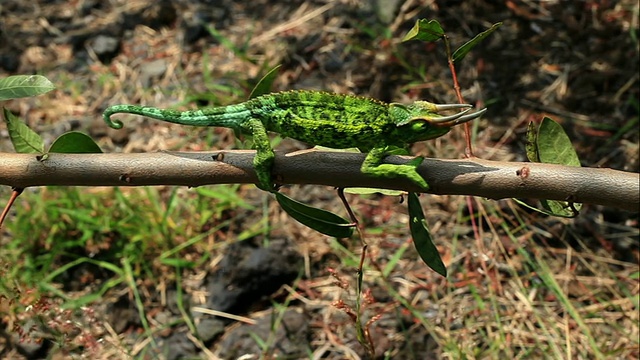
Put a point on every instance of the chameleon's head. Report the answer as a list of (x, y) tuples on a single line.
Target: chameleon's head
[(422, 120)]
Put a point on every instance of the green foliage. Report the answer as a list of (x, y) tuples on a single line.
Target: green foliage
[(20, 86), (24, 139), (425, 30), (57, 236), (463, 50), (226, 196), (317, 219), (27, 141), (422, 237), (264, 85), (431, 31), (554, 146), (74, 142), (550, 144)]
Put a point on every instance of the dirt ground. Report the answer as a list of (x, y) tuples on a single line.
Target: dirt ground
[(574, 61)]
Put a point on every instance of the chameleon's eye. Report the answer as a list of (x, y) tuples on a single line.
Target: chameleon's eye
[(419, 126)]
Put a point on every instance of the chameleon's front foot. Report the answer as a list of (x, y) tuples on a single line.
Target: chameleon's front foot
[(264, 158), (373, 166), (263, 164)]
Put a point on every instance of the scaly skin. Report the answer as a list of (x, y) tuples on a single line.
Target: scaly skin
[(320, 118)]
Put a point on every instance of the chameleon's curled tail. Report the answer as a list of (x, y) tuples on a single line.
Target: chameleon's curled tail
[(115, 124), (225, 116)]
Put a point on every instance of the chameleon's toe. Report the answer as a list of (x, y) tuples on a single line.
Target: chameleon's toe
[(266, 184), (410, 171), (412, 174), (415, 162)]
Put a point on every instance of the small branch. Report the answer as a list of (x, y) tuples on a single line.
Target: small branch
[(475, 177)]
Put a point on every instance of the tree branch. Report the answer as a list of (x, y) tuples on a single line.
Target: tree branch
[(476, 177)]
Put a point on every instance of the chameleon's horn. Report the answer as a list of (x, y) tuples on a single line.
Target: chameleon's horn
[(449, 118), (441, 107), (458, 118)]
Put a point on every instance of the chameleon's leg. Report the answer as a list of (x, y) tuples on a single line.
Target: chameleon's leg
[(373, 165), (263, 161)]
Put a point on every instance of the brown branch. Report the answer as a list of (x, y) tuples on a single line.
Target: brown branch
[(476, 177)]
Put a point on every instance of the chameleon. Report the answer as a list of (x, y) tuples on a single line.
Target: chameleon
[(321, 118)]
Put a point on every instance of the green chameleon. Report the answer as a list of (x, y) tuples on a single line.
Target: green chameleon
[(321, 118)]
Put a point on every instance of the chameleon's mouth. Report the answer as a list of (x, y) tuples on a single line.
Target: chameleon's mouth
[(455, 119)]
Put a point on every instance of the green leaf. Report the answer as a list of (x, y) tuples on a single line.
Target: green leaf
[(546, 210), (74, 143), (561, 208), (531, 145), (463, 50), (425, 30), (422, 237), (24, 139), (317, 219), (554, 146), (550, 144), (264, 85), (20, 86)]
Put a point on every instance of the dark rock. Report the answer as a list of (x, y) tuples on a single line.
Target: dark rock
[(10, 61), (210, 328), (176, 346), (244, 277), (123, 314), (249, 272), (287, 339)]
